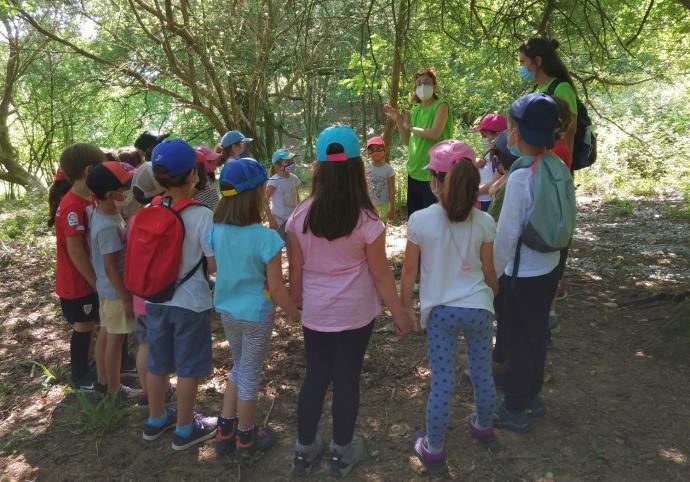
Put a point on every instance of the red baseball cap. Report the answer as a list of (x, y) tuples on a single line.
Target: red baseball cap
[(492, 122), (60, 175), (207, 157), (109, 176), (375, 141)]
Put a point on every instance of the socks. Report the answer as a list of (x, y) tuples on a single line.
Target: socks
[(184, 430), (226, 424), (158, 421), (79, 354), (245, 435)]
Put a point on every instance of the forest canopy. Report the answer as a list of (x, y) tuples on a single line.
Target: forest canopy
[(102, 71)]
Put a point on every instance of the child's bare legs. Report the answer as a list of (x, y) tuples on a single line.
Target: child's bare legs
[(157, 385), (186, 398), (244, 410), (142, 353), (230, 400), (113, 358), (100, 355)]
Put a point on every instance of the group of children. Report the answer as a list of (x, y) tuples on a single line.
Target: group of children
[(338, 277)]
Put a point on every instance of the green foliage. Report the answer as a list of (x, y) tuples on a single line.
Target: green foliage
[(620, 207), (24, 220), (101, 417)]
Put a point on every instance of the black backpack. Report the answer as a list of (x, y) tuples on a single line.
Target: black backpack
[(585, 143)]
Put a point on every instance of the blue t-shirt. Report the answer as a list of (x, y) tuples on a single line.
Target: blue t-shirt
[(242, 253)]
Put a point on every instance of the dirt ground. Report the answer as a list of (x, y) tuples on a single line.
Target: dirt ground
[(618, 405)]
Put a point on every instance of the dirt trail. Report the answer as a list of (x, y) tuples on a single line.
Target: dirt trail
[(618, 408)]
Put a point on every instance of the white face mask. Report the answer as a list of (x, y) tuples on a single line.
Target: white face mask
[(424, 91), (128, 197), (486, 143)]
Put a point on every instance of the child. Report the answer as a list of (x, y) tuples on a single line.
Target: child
[(57, 191), (339, 274), (75, 280), (489, 127), (381, 177), (281, 188), (147, 140), (457, 287), (206, 192), (130, 155), (503, 159), (248, 256), (144, 188), (522, 305), (108, 182), (179, 330)]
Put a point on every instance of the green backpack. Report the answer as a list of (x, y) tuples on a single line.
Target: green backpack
[(552, 222)]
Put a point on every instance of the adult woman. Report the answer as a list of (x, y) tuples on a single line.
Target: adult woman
[(429, 122), (540, 63)]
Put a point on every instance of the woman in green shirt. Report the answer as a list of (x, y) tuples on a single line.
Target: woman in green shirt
[(429, 122), (540, 63)]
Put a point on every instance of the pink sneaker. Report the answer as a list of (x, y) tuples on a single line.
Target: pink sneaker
[(485, 435), (435, 463)]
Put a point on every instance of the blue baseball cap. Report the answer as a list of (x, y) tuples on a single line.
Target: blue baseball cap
[(339, 134), (537, 116), (176, 155), (281, 154), (242, 174), (233, 137)]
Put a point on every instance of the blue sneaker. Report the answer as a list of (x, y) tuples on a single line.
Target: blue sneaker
[(516, 422), (152, 432), (536, 408), (203, 428)]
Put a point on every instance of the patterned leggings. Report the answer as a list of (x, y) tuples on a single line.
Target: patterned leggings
[(444, 326)]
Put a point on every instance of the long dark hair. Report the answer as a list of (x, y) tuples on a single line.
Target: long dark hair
[(55, 194), (339, 194), (459, 193), (551, 63)]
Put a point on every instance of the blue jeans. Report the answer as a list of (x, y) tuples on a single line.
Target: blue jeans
[(444, 326)]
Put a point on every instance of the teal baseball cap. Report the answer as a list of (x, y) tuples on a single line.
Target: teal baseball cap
[(339, 134), (280, 155), (233, 137)]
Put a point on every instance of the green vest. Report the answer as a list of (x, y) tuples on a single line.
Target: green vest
[(418, 147)]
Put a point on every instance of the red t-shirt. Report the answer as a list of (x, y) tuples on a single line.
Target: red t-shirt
[(561, 150), (70, 220)]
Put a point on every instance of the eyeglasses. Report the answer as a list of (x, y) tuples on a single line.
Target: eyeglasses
[(377, 149)]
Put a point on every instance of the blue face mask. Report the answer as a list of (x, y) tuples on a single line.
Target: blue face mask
[(525, 74), (514, 150)]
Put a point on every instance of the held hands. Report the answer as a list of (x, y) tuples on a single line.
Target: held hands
[(405, 322)]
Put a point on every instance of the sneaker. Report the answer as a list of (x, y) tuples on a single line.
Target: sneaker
[(536, 408), (143, 399), (554, 323), (516, 422), (343, 460), (262, 439), (225, 441), (152, 432), (434, 463), (485, 435), (203, 428), (128, 394), (561, 292), (306, 457)]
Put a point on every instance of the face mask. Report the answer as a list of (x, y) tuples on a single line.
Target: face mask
[(128, 196), (525, 74), (424, 91), (290, 168), (486, 143), (514, 150)]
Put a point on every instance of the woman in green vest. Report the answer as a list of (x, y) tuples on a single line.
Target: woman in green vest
[(429, 122)]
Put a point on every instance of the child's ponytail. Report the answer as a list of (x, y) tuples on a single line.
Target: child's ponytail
[(460, 189), (57, 190)]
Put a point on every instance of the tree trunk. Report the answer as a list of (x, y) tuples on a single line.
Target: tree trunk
[(400, 34)]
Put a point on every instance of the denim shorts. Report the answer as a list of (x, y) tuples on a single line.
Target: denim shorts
[(140, 329), (179, 341)]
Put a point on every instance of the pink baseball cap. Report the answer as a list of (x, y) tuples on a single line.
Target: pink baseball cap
[(492, 122), (206, 156), (446, 153), (375, 141)]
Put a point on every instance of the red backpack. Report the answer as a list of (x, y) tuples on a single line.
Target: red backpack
[(154, 250)]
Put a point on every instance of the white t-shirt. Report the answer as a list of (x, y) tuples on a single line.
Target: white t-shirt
[(195, 293), (486, 174), (517, 207), (106, 236), (377, 180), (451, 270), (284, 198)]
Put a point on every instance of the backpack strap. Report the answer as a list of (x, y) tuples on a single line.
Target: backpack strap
[(516, 265), (554, 85)]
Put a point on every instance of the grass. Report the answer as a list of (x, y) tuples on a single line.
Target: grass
[(676, 212), (620, 207), (102, 417), (51, 376)]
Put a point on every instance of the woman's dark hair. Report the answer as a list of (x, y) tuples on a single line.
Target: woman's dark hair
[(565, 117), (55, 194), (420, 73), (76, 158), (167, 181), (459, 193), (203, 179), (242, 209), (551, 63), (339, 194)]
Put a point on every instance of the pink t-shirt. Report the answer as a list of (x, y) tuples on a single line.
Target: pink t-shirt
[(338, 292), (138, 304)]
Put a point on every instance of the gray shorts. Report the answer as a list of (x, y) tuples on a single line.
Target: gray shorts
[(249, 342), (179, 341), (140, 329)]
